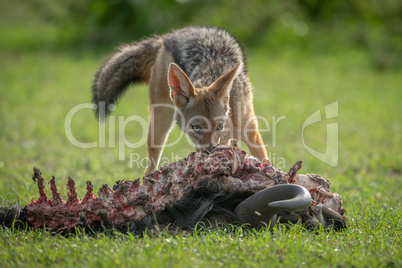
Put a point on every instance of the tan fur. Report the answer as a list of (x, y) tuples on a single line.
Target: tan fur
[(197, 77), (207, 103), (161, 120)]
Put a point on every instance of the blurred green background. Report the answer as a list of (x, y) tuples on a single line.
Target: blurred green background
[(310, 26)]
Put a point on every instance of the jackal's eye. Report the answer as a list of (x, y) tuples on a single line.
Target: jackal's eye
[(196, 128), (219, 127)]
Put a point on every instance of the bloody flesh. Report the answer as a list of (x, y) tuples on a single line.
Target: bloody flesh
[(131, 201)]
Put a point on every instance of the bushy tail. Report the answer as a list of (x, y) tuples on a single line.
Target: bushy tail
[(12, 216), (130, 64)]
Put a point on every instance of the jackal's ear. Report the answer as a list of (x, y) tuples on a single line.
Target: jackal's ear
[(181, 88), (223, 84)]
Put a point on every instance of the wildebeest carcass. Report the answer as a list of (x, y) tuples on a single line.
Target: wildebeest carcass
[(225, 185)]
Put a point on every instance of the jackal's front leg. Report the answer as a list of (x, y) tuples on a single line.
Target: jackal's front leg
[(160, 123), (252, 137)]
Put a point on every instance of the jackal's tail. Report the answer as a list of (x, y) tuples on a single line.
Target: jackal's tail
[(130, 64)]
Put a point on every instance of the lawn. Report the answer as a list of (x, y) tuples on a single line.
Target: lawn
[(39, 88)]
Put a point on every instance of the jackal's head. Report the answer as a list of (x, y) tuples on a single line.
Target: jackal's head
[(201, 113)]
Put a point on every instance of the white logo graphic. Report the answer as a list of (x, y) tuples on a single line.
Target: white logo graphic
[(330, 156)]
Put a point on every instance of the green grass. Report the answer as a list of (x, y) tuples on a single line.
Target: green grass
[(37, 90)]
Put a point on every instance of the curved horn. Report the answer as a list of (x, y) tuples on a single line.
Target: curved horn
[(261, 208)]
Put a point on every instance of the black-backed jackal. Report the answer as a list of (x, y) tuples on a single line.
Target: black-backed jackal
[(197, 78)]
